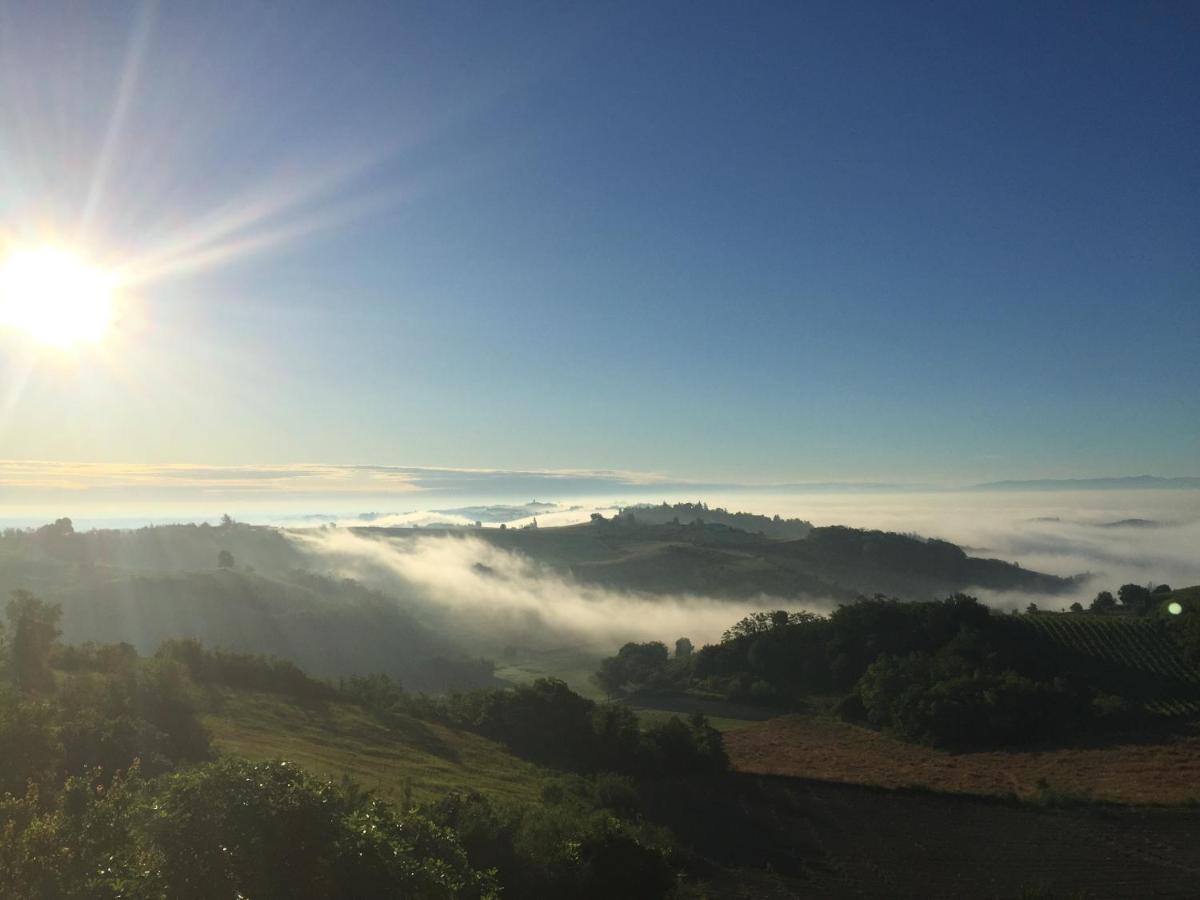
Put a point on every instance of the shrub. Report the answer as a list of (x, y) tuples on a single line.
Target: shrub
[(226, 829)]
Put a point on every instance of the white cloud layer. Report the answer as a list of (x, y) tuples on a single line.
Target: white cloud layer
[(506, 598)]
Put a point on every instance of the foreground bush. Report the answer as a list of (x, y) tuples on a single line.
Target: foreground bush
[(227, 829), (572, 845)]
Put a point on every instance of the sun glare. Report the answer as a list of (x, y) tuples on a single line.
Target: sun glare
[(55, 296)]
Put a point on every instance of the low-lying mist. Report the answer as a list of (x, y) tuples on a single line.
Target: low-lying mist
[(498, 598), (1116, 537), (492, 598)]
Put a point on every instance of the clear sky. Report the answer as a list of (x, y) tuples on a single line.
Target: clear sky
[(744, 242)]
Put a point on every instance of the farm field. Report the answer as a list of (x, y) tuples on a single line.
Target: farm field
[(1140, 646), (827, 749), (792, 838)]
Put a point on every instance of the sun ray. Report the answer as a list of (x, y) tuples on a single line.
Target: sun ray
[(134, 55)]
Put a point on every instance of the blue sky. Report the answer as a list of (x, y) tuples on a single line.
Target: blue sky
[(937, 242)]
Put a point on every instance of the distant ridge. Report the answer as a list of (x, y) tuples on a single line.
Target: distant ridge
[(1146, 482)]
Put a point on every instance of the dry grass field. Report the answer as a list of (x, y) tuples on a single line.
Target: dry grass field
[(820, 747)]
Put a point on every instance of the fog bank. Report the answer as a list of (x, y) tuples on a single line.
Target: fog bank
[(498, 598)]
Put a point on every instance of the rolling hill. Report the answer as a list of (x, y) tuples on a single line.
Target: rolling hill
[(720, 561)]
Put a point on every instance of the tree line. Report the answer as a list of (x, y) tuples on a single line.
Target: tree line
[(950, 673)]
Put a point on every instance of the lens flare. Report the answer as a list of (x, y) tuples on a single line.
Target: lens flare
[(55, 296)]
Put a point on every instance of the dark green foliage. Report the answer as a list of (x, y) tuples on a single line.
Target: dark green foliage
[(1105, 602), (636, 667), (224, 559), (779, 658), (242, 670), (547, 722), (949, 673), (32, 630), (583, 840), (1135, 597), (685, 748), (99, 722), (950, 700), (228, 829), (763, 622)]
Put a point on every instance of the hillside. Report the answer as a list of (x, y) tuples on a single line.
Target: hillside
[(720, 561), (404, 759), (689, 513), (328, 627), (1139, 655), (764, 835)]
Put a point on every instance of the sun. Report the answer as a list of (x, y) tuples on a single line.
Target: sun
[(55, 296)]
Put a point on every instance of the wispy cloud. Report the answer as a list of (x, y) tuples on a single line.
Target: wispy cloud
[(32, 481)]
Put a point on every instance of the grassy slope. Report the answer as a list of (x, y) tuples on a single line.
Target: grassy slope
[(574, 665), (336, 739), (762, 836)]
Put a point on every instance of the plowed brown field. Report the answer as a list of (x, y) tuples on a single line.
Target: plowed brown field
[(1160, 771)]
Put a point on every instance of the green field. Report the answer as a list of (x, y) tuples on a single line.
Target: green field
[(406, 758)]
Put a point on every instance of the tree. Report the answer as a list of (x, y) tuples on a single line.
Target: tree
[(1076, 607), (227, 521), (1134, 596), (1104, 602), (33, 626), (635, 667), (760, 622), (1031, 608), (684, 648), (224, 560)]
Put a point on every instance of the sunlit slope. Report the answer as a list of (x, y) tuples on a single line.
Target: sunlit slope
[(336, 739), (716, 560), (163, 548), (327, 626)]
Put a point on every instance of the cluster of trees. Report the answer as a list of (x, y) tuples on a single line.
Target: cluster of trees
[(94, 709), (586, 839), (1133, 598), (700, 513), (948, 673), (547, 722), (645, 668)]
